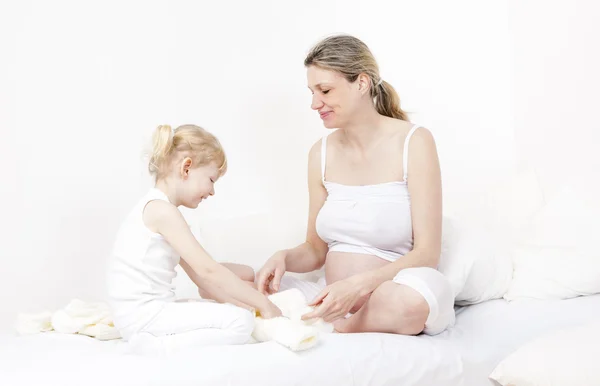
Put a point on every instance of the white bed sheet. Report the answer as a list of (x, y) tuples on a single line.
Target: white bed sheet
[(360, 359), (486, 333), (463, 356)]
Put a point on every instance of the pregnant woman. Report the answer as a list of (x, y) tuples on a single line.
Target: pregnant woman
[(375, 205)]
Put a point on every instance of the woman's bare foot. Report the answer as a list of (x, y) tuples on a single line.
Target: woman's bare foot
[(340, 325)]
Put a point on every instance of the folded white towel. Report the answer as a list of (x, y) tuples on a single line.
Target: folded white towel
[(289, 333), (78, 317), (290, 330)]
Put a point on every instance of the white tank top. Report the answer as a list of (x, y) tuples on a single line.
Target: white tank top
[(141, 270), (368, 219)]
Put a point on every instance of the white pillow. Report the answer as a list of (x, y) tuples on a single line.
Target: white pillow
[(565, 357), (559, 258), (478, 241), (476, 261)]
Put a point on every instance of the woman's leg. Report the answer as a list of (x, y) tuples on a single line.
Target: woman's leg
[(392, 308), (308, 288), (417, 300), (244, 272)]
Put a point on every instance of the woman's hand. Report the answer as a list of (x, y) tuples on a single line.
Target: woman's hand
[(336, 300), (269, 276)]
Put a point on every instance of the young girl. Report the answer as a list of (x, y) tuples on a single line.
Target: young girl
[(154, 238)]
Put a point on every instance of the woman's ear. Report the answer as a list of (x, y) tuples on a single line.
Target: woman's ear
[(186, 165), (364, 83)]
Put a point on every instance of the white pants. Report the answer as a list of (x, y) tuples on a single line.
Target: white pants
[(180, 326), (428, 282)]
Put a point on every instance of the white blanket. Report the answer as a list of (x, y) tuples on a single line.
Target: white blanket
[(78, 317), (95, 320)]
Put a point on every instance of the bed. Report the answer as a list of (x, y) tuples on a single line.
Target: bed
[(486, 333), (464, 355)]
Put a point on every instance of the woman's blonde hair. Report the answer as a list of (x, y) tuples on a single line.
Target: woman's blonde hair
[(187, 141), (351, 57)]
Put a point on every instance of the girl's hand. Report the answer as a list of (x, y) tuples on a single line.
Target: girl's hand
[(269, 310), (335, 300)]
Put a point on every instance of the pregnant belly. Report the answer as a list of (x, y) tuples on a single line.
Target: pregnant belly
[(341, 265)]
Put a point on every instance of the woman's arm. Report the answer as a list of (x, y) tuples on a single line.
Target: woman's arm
[(310, 255), (164, 218), (425, 189)]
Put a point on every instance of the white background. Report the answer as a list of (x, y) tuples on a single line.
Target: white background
[(84, 84)]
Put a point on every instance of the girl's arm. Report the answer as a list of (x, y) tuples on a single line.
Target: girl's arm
[(220, 297), (164, 218)]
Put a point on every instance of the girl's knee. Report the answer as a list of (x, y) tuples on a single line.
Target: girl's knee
[(242, 321)]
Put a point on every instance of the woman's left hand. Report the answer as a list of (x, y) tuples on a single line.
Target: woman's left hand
[(336, 300)]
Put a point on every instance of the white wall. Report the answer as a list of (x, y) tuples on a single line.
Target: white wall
[(556, 83), (82, 86)]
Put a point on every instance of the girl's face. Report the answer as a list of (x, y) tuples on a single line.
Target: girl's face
[(197, 182)]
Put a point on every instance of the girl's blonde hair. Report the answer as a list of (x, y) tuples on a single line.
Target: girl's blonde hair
[(186, 141), (351, 57)]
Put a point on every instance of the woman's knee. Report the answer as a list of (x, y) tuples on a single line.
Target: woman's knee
[(404, 307), (244, 272), (247, 275), (435, 290)]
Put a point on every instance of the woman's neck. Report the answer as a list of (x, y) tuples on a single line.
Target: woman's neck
[(363, 129)]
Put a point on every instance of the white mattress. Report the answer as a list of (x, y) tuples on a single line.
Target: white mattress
[(486, 333), (462, 356)]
